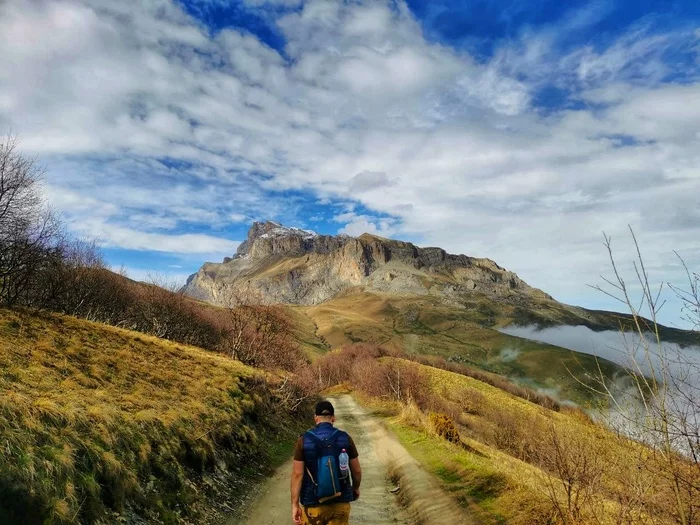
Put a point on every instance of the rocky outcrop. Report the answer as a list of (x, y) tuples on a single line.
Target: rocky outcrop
[(289, 265)]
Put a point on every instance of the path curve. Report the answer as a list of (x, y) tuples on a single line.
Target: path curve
[(423, 501)]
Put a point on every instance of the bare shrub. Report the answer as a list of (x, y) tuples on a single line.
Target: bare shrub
[(441, 403), (394, 380), (169, 315), (28, 228), (407, 382), (469, 400), (444, 426), (77, 282), (336, 367), (412, 415), (295, 391), (663, 408), (573, 469), (333, 369), (516, 435), (260, 336), (370, 377)]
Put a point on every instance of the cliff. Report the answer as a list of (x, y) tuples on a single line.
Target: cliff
[(277, 264)]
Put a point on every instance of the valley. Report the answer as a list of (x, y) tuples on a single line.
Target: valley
[(421, 301)]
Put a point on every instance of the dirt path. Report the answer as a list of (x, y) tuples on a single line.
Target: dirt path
[(422, 500)]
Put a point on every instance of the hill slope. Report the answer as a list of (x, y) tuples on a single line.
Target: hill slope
[(97, 422), (519, 463), (425, 325)]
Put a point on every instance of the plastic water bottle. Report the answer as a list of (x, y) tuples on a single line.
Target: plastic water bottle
[(344, 464)]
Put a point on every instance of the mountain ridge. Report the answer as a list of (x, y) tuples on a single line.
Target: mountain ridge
[(278, 264)]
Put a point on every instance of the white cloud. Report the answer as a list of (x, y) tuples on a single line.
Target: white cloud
[(357, 224), (466, 160), (132, 239), (238, 217)]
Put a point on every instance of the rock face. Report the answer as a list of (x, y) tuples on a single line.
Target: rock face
[(277, 264)]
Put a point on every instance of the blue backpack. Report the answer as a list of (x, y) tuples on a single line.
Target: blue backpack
[(327, 482)]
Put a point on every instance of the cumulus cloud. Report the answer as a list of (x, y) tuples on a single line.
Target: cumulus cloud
[(133, 239), (138, 109), (355, 224)]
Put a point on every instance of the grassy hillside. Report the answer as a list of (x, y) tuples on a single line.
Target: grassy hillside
[(97, 422), (519, 463), (463, 333)]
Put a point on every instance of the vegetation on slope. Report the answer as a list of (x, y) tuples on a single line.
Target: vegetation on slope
[(428, 326), (512, 455), (519, 463), (97, 420)]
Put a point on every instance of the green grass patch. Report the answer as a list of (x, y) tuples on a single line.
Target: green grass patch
[(467, 476)]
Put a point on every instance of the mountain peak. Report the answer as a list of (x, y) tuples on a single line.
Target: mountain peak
[(271, 230)]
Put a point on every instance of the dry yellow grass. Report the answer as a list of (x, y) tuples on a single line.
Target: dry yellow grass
[(513, 481), (94, 417)]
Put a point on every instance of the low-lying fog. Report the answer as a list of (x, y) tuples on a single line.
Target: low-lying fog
[(612, 345), (678, 367)]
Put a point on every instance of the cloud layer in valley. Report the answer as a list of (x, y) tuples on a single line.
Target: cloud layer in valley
[(167, 126)]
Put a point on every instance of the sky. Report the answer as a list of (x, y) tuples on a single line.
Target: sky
[(511, 129)]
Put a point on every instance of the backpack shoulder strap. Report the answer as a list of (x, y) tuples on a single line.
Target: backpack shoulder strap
[(317, 440), (322, 443)]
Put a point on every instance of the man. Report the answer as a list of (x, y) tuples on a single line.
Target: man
[(306, 508)]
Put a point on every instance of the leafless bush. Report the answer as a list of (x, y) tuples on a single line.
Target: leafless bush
[(261, 336), (517, 435), (296, 390), (573, 469), (393, 380), (336, 367), (28, 228), (472, 401), (76, 282), (169, 315), (663, 409)]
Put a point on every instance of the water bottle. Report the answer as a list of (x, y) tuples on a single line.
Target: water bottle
[(344, 464)]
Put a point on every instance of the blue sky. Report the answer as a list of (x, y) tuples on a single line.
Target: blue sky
[(516, 130)]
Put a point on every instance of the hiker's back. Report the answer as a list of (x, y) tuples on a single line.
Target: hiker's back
[(313, 477), (326, 475)]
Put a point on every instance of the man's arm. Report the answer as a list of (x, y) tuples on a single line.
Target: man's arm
[(356, 471), (297, 477)]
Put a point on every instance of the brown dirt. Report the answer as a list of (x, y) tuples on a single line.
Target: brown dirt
[(419, 500)]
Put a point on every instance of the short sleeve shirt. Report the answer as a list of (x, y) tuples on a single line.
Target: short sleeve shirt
[(299, 449)]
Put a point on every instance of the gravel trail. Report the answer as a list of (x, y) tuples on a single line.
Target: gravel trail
[(422, 500)]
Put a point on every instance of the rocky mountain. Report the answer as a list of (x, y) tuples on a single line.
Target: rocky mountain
[(278, 264), (344, 289)]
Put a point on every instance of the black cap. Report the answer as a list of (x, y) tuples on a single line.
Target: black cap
[(324, 408)]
